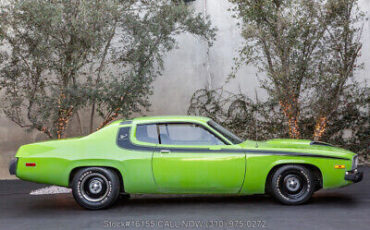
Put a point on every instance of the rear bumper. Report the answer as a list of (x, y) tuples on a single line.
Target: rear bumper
[(354, 176), (13, 166)]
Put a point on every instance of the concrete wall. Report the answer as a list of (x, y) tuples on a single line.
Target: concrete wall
[(187, 69)]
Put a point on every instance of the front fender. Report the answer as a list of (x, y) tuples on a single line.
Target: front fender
[(259, 167)]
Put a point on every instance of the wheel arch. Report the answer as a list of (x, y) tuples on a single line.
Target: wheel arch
[(317, 172), (74, 170)]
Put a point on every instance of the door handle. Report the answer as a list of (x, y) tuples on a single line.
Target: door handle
[(165, 151)]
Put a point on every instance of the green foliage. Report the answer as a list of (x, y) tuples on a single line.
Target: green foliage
[(349, 126), (61, 56), (307, 49), (239, 113), (48, 43)]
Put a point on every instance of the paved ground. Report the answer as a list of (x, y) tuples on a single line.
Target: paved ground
[(345, 208)]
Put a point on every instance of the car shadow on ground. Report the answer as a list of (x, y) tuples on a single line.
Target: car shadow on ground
[(333, 198), (148, 200), (153, 203)]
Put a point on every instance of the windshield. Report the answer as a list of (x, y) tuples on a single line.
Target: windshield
[(226, 133)]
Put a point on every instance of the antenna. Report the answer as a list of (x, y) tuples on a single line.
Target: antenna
[(255, 117)]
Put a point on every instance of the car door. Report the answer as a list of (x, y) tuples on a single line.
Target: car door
[(192, 159)]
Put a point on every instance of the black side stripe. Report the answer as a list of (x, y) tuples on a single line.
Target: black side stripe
[(123, 141)]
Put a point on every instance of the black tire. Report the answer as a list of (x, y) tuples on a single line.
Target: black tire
[(292, 184), (95, 188)]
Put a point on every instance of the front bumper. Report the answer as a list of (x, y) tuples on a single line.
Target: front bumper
[(13, 166), (354, 176)]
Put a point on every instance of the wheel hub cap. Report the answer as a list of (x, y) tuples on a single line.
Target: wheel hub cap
[(95, 186), (292, 184)]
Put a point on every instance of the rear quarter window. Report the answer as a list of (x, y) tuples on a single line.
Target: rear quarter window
[(147, 133)]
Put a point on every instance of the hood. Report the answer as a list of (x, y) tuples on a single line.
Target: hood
[(294, 143), (302, 146)]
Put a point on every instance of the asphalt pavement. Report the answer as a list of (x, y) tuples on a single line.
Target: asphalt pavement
[(344, 208)]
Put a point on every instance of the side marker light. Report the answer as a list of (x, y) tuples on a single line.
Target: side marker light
[(340, 166)]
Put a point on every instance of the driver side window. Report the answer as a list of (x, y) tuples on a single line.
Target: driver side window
[(186, 134)]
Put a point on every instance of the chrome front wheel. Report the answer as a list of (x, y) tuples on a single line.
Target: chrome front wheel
[(292, 184)]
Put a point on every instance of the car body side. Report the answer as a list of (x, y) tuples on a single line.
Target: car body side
[(57, 161)]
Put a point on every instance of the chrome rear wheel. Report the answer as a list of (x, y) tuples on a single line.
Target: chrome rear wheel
[(95, 187)]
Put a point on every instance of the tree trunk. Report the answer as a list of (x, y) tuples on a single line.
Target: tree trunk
[(294, 128), (101, 66), (62, 122), (320, 127), (109, 118), (91, 126), (290, 110), (79, 122)]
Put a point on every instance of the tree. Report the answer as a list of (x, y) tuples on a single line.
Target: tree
[(63, 56), (340, 50), (49, 43), (349, 126), (238, 112), (291, 42)]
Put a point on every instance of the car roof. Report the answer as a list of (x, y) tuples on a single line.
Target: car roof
[(170, 118)]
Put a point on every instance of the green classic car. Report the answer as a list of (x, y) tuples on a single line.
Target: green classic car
[(183, 155)]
